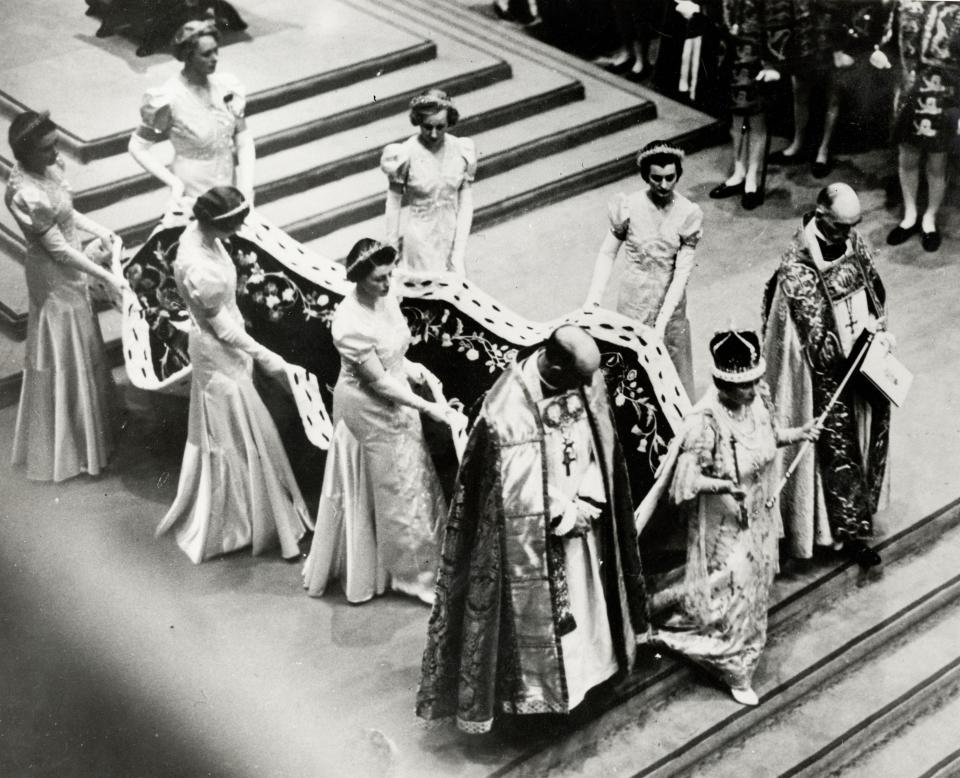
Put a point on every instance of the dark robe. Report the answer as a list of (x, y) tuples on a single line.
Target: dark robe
[(805, 366)]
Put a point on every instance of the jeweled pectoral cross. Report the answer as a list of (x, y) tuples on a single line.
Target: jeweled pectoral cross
[(569, 455)]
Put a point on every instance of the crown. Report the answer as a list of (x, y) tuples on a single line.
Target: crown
[(736, 356)]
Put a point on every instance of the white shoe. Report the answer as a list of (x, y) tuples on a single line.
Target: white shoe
[(745, 696)]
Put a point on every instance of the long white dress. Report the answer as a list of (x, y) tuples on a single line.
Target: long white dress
[(430, 182), (653, 239), (65, 420), (236, 487), (381, 504), (201, 123)]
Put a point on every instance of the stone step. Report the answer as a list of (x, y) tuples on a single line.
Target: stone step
[(538, 182), (134, 217), (539, 155), (98, 156), (932, 740), (875, 694), (13, 295), (676, 720), (532, 89), (313, 163), (310, 46)]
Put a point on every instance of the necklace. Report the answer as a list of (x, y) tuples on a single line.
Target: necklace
[(745, 421)]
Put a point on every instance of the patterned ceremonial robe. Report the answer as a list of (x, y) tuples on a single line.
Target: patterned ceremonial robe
[(782, 34), (833, 495), (503, 605), (927, 107)]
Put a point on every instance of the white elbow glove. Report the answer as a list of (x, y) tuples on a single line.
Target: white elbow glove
[(227, 329)]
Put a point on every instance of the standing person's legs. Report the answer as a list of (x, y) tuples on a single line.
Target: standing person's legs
[(739, 132), (756, 153), (800, 88), (908, 168), (626, 52), (936, 170), (821, 165)]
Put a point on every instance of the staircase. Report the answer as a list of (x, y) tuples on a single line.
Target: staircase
[(860, 677), (546, 127)]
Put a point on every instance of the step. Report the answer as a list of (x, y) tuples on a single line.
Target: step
[(487, 108), (362, 195), (676, 719), (336, 78), (531, 90), (457, 69), (876, 692), (135, 216), (538, 182), (925, 748), (13, 296)]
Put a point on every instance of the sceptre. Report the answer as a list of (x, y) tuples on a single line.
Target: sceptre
[(820, 420)]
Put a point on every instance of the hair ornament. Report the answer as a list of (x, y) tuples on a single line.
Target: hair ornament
[(431, 101), (195, 29), (368, 252), (21, 130), (654, 149), (243, 206)]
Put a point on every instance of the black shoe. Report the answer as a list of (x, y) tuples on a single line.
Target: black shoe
[(504, 15), (779, 158), (930, 240), (751, 200), (862, 554), (639, 78), (821, 169), (721, 191), (900, 234), (622, 68)]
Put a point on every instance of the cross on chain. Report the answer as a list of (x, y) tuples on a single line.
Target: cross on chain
[(852, 324), (569, 455)]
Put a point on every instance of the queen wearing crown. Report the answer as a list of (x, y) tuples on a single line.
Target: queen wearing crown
[(717, 471), (659, 229)]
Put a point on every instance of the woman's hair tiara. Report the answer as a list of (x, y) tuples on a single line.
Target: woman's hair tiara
[(431, 101), (656, 148)]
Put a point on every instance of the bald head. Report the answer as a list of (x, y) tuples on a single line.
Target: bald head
[(838, 211), (569, 357), (841, 201)]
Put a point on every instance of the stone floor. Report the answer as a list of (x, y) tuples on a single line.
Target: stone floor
[(117, 653), (118, 657)]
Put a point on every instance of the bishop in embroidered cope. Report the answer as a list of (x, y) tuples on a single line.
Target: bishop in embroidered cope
[(540, 591)]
